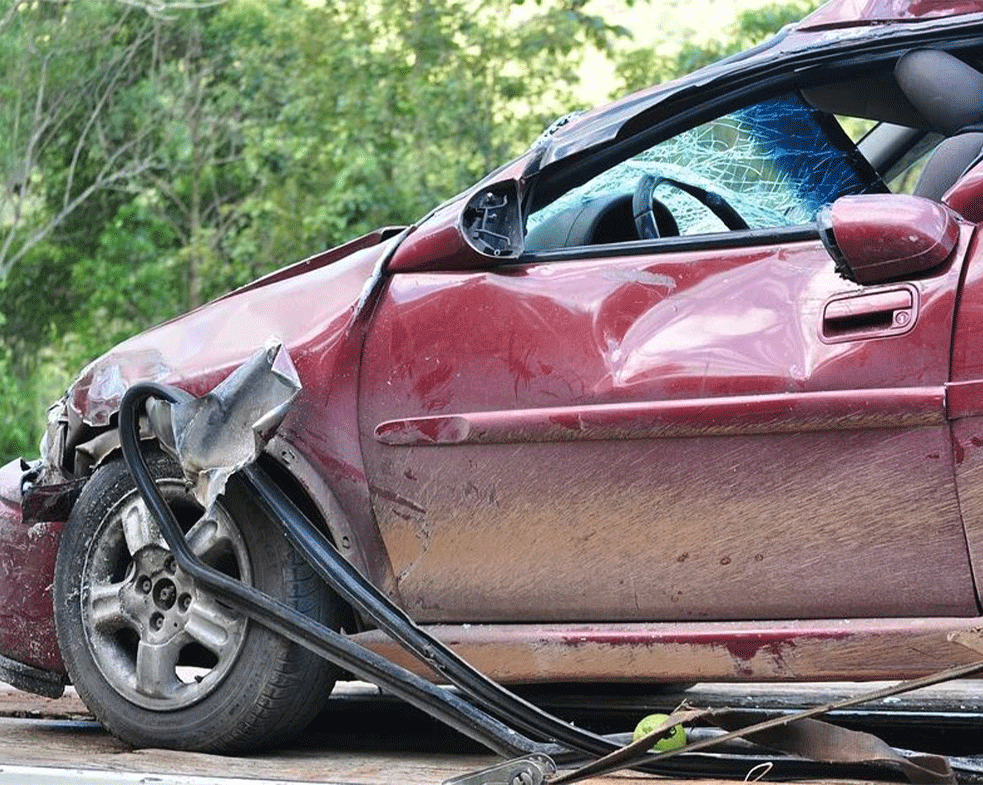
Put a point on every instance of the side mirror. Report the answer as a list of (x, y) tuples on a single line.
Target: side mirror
[(878, 238), (483, 232)]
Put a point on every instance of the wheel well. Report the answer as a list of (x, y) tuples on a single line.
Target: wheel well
[(291, 486), (104, 446)]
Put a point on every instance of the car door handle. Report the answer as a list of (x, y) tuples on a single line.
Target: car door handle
[(869, 314)]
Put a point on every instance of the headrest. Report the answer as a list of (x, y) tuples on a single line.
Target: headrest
[(947, 91)]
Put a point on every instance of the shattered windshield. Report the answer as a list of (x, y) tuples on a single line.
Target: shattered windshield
[(776, 163)]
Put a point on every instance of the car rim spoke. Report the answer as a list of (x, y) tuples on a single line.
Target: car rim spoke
[(215, 627), (139, 528), (156, 668), (206, 536), (156, 637), (106, 607)]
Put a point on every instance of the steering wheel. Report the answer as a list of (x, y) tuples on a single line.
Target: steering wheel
[(649, 211)]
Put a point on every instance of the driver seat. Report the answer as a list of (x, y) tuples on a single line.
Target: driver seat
[(949, 95)]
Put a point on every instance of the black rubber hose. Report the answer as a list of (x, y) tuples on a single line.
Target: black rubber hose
[(293, 625), (363, 595)]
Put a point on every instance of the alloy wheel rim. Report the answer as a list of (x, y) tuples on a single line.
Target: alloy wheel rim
[(156, 637)]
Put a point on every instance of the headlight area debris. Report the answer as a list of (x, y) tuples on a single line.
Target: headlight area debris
[(224, 431)]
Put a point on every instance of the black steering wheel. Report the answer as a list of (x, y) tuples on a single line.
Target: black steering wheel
[(650, 213)]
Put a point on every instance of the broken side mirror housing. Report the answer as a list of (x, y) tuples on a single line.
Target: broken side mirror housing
[(476, 232), (876, 238)]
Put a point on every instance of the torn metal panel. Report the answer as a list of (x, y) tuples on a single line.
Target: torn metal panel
[(196, 351), (221, 432)]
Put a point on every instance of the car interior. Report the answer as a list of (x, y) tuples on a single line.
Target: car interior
[(926, 113)]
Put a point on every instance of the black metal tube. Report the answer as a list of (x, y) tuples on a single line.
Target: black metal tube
[(293, 625), (472, 721), (501, 703)]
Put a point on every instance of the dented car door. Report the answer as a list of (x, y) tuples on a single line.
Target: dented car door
[(663, 436)]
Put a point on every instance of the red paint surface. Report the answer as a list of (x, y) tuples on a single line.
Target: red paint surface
[(314, 315), (27, 564), (438, 246), (743, 646), (799, 412), (731, 340), (741, 643), (964, 399), (482, 385), (841, 13), (720, 651), (893, 236), (324, 258), (967, 348), (966, 196)]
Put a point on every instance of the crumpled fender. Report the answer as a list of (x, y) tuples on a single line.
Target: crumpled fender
[(315, 310)]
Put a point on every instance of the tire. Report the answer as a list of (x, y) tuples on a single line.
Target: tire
[(159, 662)]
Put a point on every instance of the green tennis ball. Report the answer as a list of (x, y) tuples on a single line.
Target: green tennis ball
[(673, 740)]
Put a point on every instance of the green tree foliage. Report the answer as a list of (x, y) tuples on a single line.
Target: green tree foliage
[(155, 153), (641, 67), (388, 111)]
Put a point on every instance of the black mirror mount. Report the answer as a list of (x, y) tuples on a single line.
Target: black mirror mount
[(492, 222)]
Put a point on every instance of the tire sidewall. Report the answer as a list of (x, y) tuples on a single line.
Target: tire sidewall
[(217, 719)]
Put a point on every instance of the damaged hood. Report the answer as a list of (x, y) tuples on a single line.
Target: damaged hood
[(304, 307)]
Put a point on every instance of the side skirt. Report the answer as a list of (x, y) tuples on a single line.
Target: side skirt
[(821, 650)]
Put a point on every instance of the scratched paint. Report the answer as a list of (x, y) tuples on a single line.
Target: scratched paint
[(196, 351), (699, 651), (490, 391)]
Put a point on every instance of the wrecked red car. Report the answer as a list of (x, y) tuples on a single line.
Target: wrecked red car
[(689, 391)]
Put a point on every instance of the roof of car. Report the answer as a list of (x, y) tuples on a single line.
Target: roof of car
[(836, 26), (844, 13)]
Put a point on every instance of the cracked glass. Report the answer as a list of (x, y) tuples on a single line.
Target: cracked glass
[(776, 163)]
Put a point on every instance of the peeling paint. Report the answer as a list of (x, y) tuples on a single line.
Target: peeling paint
[(699, 651)]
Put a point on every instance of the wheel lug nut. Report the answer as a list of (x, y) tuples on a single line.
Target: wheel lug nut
[(170, 565), (144, 585), (184, 602), (156, 621)]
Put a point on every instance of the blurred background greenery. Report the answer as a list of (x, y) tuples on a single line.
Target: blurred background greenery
[(156, 153)]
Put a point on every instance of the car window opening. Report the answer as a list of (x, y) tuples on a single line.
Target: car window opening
[(775, 163)]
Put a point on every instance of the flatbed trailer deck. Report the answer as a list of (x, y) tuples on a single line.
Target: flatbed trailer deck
[(366, 738)]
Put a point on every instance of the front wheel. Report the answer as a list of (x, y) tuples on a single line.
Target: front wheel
[(159, 660)]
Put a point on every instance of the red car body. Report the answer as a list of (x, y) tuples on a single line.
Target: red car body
[(704, 460)]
